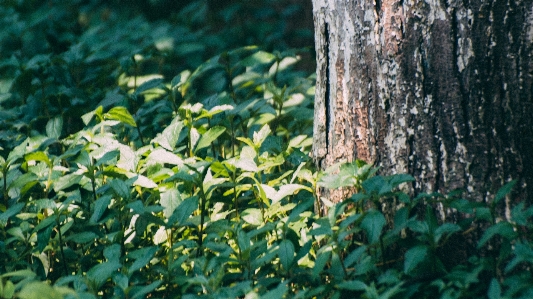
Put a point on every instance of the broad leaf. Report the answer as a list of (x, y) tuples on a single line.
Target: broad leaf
[(413, 257), (183, 211), (286, 254), (121, 114), (54, 127), (170, 200), (373, 224), (208, 137), (253, 216)]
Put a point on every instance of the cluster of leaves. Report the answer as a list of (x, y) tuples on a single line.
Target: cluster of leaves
[(134, 166)]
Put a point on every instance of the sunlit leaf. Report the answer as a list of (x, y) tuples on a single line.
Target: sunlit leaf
[(209, 136), (253, 216), (121, 114)]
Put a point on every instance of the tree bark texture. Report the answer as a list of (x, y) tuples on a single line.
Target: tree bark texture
[(440, 89)]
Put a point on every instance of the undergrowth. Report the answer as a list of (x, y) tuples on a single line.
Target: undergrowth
[(122, 176)]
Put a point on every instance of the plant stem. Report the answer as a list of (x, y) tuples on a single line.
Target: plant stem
[(60, 235)]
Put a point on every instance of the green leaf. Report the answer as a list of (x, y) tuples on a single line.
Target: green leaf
[(183, 211), (277, 293), (13, 210), (19, 273), (170, 135), (373, 224), (142, 258), (246, 164), (352, 285), (253, 216), (65, 181), (286, 254), (260, 57), (377, 185), (100, 205), (38, 290), (495, 291), (38, 156), (288, 189), (446, 228), (208, 137), (54, 127), (150, 84), (320, 262), (108, 158), (121, 114), (83, 237), (120, 188), (170, 200), (8, 289), (397, 179), (413, 257), (87, 117), (506, 189), (260, 136), (504, 229), (140, 292), (102, 272)]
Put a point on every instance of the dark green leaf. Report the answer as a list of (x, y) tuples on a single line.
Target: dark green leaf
[(183, 211), (373, 224), (286, 254), (141, 292), (142, 258), (413, 257), (504, 229), (10, 212), (352, 285), (102, 272), (100, 205), (506, 189), (150, 84)]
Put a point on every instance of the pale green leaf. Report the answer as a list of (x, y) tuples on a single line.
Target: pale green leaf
[(121, 114), (253, 216), (170, 135), (54, 127), (170, 200), (39, 290)]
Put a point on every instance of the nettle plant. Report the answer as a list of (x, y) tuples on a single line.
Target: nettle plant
[(201, 207)]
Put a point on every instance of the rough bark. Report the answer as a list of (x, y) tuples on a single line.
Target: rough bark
[(438, 89)]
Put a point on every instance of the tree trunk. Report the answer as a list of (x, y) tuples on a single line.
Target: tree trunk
[(438, 89)]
